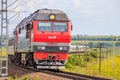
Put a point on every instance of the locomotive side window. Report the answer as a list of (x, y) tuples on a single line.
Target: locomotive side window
[(29, 27), (19, 30), (71, 27), (13, 32), (45, 26), (23, 28), (60, 27)]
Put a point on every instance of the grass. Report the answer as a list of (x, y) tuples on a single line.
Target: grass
[(24, 78), (16, 78), (77, 64), (95, 42)]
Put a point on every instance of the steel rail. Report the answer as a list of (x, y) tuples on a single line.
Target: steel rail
[(64, 74)]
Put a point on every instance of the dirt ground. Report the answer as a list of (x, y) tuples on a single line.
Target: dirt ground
[(20, 73)]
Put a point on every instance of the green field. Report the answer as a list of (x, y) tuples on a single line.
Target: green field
[(95, 42), (110, 66)]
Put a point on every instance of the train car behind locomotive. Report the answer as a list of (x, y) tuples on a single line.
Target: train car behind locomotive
[(42, 40)]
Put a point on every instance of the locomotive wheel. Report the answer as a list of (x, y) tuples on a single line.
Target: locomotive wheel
[(34, 66), (29, 61), (17, 58)]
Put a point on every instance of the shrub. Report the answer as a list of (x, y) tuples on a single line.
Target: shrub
[(93, 54), (87, 59), (10, 78), (25, 78)]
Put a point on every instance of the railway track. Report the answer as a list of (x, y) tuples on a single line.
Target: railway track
[(69, 75)]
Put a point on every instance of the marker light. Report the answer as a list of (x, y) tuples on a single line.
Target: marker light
[(52, 17)]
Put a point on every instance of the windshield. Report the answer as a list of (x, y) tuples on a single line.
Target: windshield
[(44, 26), (52, 26), (62, 27)]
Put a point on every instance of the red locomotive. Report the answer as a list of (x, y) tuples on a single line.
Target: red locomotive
[(42, 40)]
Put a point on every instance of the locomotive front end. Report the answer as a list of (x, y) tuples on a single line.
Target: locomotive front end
[(51, 40)]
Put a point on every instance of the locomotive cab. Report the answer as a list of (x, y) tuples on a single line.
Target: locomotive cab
[(52, 40)]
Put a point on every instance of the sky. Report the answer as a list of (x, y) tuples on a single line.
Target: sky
[(89, 17)]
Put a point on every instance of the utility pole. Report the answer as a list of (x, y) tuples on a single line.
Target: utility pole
[(100, 46), (4, 40), (113, 55), (86, 56)]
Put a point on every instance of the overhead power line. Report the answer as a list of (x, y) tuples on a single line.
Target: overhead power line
[(18, 4), (15, 8), (15, 11), (26, 2), (12, 4), (13, 16)]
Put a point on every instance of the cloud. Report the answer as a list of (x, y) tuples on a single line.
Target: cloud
[(77, 3), (17, 9), (33, 4), (44, 6), (30, 6), (50, 1)]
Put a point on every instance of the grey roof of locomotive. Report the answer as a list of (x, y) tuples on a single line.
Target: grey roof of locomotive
[(43, 14)]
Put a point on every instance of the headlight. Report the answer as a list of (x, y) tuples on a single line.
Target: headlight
[(41, 47), (63, 48)]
